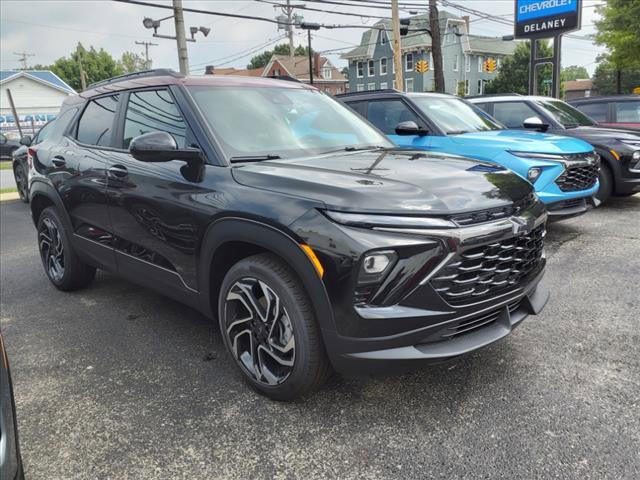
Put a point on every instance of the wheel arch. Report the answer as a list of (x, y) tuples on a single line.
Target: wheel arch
[(230, 239), (43, 195)]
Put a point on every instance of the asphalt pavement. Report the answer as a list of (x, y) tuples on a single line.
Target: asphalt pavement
[(119, 382), (7, 180)]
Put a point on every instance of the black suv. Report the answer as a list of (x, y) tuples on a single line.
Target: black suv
[(619, 149), (270, 206)]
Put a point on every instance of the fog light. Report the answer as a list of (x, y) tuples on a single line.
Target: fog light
[(533, 174), (375, 265), (636, 155)]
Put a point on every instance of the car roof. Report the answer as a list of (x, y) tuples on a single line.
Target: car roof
[(367, 94), (168, 77), (605, 98), (509, 98)]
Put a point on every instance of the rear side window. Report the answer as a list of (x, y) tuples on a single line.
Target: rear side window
[(597, 111), (387, 114), (628, 112), (44, 133), (96, 123), (151, 111), (513, 114)]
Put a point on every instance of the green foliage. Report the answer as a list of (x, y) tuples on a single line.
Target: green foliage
[(262, 59), (98, 65), (573, 72), (605, 78), (618, 31), (514, 72), (132, 62)]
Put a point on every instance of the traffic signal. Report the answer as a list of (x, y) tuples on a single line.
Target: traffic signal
[(404, 26), (490, 65), (422, 66)]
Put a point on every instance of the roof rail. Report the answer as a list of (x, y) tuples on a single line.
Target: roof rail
[(366, 92), (488, 95), (142, 74)]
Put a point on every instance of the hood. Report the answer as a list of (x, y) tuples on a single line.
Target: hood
[(601, 135), (391, 181), (523, 141)]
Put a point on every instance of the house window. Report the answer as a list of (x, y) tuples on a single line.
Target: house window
[(383, 66), (276, 72), (480, 62), (455, 63), (360, 72), (467, 63), (338, 90), (384, 86), (466, 87), (360, 87), (326, 72), (498, 63), (408, 62), (383, 38), (408, 85), (371, 86), (372, 68), (480, 87)]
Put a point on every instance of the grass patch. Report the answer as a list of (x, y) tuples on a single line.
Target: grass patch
[(8, 190), (6, 165)]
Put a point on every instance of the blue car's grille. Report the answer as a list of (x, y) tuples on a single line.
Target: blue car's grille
[(579, 177)]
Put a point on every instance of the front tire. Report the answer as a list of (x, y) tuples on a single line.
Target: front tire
[(606, 183), (61, 264), (269, 328)]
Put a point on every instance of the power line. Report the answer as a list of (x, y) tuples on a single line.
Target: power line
[(236, 56)]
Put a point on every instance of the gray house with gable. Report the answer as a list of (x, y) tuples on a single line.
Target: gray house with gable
[(371, 65)]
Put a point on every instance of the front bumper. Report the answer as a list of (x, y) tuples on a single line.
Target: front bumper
[(569, 208)]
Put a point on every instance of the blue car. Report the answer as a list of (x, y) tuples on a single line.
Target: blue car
[(563, 170)]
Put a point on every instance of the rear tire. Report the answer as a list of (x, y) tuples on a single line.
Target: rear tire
[(61, 264), (269, 328), (606, 183), (22, 182)]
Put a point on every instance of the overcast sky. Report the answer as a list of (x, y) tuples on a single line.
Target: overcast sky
[(50, 29)]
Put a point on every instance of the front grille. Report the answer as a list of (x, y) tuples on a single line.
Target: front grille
[(491, 214), (488, 270), (577, 178)]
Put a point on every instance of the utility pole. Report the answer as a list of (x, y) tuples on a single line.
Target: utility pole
[(83, 78), (308, 27), (436, 46), (183, 55), (146, 51), (397, 50), (288, 11), (23, 58)]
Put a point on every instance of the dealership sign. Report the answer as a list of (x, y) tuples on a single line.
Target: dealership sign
[(546, 18), (37, 119)]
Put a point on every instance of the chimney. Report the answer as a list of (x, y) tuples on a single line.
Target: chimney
[(316, 64), (208, 70), (466, 20)]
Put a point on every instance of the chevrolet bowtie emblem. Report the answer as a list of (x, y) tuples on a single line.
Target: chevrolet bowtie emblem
[(521, 225)]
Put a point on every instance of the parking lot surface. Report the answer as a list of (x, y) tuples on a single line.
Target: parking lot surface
[(119, 382)]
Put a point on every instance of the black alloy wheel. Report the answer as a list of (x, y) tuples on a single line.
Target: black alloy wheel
[(22, 183), (269, 328), (51, 249)]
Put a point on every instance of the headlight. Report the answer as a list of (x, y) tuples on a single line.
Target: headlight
[(636, 155), (541, 156), (372, 220), (631, 143), (533, 174)]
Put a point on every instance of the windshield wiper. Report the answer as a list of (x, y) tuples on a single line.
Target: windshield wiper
[(351, 148), (254, 158), (457, 132)]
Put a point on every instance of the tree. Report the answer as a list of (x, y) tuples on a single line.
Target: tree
[(618, 31), (132, 62), (514, 72), (262, 59), (574, 72), (605, 77), (97, 64)]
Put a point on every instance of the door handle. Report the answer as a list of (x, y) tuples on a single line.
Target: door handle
[(59, 161), (118, 171)]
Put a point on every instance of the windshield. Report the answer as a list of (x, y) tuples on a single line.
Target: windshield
[(565, 114), (282, 122), (455, 116)]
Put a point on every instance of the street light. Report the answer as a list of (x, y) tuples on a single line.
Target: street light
[(308, 27)]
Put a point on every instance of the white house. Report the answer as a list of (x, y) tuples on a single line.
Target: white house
[(37, 95)]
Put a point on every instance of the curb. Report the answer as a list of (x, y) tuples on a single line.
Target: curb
[(9, 197)]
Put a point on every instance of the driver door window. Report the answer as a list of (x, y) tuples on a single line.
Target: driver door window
[(150, 111), (513, 114), (387, 114)]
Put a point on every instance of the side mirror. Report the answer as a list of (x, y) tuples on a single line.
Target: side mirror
[(410, 128), (535, 123), (26, 140), (161, 147)]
